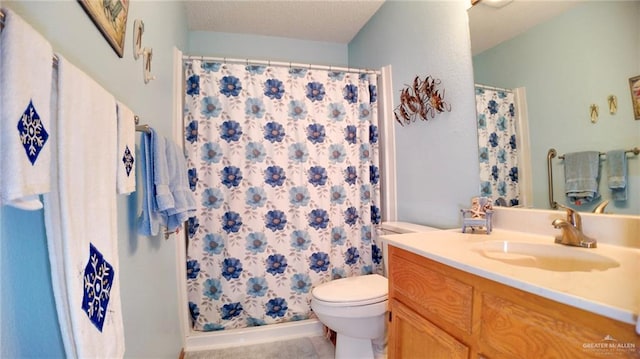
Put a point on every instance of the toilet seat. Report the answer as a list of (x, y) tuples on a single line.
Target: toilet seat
[(352, 291)]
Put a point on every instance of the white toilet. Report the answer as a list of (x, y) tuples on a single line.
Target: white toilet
[(355, 307)]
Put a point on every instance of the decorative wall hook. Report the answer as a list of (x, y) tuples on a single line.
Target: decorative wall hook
[(594, 113), (146, 52), (613, 104)]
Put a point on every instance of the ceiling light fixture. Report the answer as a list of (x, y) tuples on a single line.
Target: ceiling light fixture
[(496, 3)]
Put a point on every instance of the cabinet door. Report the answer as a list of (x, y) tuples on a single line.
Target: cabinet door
[(412, 336)]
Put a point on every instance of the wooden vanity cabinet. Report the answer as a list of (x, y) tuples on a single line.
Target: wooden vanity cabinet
[(437, 311)]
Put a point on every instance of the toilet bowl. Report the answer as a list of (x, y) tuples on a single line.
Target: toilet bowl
[(355, 307)]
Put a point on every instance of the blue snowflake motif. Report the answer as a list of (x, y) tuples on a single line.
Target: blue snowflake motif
[(210, 66), (274, 176), (494, 172), (256, 242), (256, 197), (512, 142), (315, 133), (300, 283), (351, 216), (350, 175), (297, 110), (376, 254), (337, 153), (336, 112), (275, 220), (194, 311), (351, 256), (375, 215), (127, 160), (338, 195), (365, 193), (338, 236), (191, 131), (297, 73), (276, 264), (231, 310), (300, 240), (98, 280), (338, 273), (213, 243), (317, 176), (255, 152), (485, 188), (255, 322), (255, 69), (33, 135), (373, 134), (193, 85), (231, 176), (315, 91), (318, 218), (319, 262), (211, 152), (231, 222), (231, 268), (298, 152), (336, 75), (493, 139), (230, 131), (492, 107), (373, 93), (212, 288), (364, 111), (254, 108), (299, 196), (273, 89), (212, 327), (193, 269), (192, 226), (350, 93), (212, 198), (192, 173), (482, 121), (374, 174), (366, 234), (351, 134), (210, 107), (230, 86), (502, 155), (276, 307), (483, 155), (513, 174), (257, 287), (273, 132)]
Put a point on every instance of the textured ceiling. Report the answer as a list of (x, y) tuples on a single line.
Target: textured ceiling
[(336, 21)]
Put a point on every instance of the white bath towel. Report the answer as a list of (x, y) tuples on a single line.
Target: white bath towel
[(81, 218), (25, 114), (126, 175)]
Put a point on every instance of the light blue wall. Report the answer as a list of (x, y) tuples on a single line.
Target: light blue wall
[(566, 64), (437, 166), (28, 321)]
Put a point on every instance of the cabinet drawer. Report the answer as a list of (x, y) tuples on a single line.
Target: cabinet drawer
[(437, 297)]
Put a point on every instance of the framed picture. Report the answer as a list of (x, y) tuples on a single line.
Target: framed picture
[(110, 16), (634, 86)]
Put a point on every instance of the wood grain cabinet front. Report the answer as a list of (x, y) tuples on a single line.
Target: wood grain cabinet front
[(441, 312)]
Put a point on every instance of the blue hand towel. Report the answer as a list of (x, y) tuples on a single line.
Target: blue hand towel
[(149, 220), (582, 174), (617, 174)]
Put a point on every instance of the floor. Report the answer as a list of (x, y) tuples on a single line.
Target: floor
[(301, 348)]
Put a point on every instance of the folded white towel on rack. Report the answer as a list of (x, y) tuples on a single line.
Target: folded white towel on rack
[(126, 182), (81, 218), (25, 114)]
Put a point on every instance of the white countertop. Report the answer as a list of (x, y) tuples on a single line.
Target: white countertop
[(613, 293)]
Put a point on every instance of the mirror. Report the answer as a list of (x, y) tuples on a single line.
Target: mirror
[(569, 58)]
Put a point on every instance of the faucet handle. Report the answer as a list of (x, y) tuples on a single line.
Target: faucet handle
[(600, 208), (573, 216)]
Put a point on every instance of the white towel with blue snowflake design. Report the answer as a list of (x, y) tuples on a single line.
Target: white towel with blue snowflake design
[(25, 114), (81, 218), (126, 162)]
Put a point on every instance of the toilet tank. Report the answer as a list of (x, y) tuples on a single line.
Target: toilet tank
[(397, 228)]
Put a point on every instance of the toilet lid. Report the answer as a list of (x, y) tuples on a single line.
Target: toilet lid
[(367, 288)]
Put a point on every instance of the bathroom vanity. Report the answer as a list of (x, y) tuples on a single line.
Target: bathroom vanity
[(510, 295)]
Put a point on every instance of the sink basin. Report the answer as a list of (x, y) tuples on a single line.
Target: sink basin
[(551, 257)]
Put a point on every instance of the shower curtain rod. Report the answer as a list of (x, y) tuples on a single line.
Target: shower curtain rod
[(279, 63), (493, 88)]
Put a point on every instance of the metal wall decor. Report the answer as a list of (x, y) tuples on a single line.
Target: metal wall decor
[(420, 101)]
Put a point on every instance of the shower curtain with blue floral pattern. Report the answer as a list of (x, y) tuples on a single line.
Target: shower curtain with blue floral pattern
[(497, 145), (284, 164)]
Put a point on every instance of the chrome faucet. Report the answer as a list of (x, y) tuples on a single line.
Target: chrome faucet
[(572, 230)]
